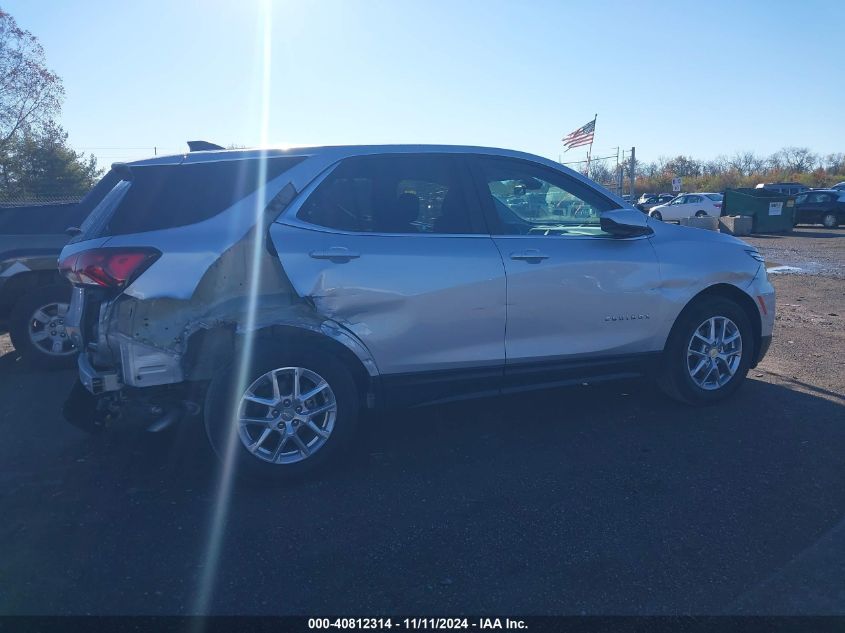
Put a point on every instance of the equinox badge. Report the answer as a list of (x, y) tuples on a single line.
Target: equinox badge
[(627, 317)]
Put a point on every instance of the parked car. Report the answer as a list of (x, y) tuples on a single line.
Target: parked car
[(689, 205), (648, 203), (839, 186), (283, 292), (787, 188), (34, 297), (820, 206)]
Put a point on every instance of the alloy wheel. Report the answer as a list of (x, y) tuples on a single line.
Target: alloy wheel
[(829, 221), (286, 415), (714, 353), (47, 330)]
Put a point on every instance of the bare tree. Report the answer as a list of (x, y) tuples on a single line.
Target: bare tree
[(834, 163), (795, 159), (683, 166), (30, 94), (746, 163), (601, 172)]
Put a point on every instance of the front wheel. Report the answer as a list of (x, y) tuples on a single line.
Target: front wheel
[(830, 221), (295, 411), (657, 215), (708, 353)]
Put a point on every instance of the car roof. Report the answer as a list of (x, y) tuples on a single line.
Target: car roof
[(336, 152)]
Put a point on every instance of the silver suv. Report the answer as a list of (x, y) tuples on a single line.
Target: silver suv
[(280, 293)]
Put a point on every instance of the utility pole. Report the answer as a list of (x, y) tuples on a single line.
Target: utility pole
[(633, 170)]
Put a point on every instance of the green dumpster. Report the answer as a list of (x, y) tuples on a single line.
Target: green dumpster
[(770, 211)]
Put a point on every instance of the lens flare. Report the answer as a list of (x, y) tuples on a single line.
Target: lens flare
[(220, 510)]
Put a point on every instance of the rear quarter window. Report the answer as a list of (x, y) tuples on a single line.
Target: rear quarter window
[(168, 196)]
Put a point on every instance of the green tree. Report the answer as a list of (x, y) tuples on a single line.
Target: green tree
[(39, 165)]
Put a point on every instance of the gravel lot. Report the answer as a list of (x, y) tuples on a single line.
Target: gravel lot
[(590, 500)]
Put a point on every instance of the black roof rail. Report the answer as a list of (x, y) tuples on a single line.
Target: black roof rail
[(200, 146)]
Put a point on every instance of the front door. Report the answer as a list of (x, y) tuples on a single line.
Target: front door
[(575, 294), (677, 209)]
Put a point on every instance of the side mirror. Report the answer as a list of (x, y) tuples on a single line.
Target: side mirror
[(625, 223)]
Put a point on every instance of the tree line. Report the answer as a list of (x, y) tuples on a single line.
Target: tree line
[(36, 162), (742, 169)]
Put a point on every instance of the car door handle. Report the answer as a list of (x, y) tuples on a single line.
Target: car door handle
[(335, 253), (531, 255)]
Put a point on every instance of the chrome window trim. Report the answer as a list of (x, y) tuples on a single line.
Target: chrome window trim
[(578, 237)]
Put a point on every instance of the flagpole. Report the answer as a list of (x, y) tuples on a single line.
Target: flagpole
[(590, 149)]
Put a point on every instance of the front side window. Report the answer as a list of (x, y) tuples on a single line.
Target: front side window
[(801, 199), (531, 200), (679, 200), (392, 194)]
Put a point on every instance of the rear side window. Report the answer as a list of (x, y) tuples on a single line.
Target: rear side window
[(160, 197), (393, 194)]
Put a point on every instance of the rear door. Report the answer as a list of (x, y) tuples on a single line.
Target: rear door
[(576, 296), (394, 249)]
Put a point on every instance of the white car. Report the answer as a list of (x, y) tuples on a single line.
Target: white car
[(689, 205)]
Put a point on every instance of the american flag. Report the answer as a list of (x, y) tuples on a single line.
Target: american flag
[(582, 136)]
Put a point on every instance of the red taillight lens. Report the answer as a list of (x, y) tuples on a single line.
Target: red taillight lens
[(107, 267), (718, 205)]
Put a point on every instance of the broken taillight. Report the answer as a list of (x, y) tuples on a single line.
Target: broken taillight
[(107, 267)]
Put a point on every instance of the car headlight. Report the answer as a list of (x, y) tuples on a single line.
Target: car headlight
[(755, 254)]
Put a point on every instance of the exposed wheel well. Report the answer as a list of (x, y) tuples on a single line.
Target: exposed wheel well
[(207, 349), (736, 295)]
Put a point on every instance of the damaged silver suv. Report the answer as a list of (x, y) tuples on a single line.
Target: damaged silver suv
[(280, 293)]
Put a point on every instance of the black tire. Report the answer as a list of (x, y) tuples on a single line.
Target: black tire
[(220, 405), (22, 318), (700, 214), (657, 215), (674, 377), (830, 221)]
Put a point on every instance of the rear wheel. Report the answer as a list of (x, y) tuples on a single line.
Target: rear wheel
[(830, 221), (297, 411), (708, 353), (656, 215), (700, 214), (37, 327)]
